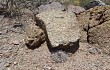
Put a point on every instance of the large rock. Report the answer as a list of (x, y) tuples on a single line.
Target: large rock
[(91, 18), (96, 23), (61, 28)]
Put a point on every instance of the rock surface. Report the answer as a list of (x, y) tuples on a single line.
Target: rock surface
[(100, 35), (96, 22), (91, 18), (53, 5), (60, 27), (75, 9), (35, 36)]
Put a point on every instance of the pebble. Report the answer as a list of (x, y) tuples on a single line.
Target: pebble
[(7, 64), (15, 63), (94, 51), (16, 42)]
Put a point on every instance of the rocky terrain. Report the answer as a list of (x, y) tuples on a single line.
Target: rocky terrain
[(57, 38)]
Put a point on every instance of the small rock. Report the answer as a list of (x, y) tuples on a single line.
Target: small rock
[(94, 51), (7, 54), (35, 36), (15, 42), (7, 64)]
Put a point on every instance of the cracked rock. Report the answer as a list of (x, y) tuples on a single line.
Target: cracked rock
[(61, 28)]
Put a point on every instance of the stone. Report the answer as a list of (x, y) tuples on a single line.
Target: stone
[(16, 42), (53, 5), (75, 9), (95, 22), (61, 28), (34, 36), (91, 18), (100, 35), (94, 50)]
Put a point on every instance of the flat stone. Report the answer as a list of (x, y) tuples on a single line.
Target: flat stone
[(60, 28)]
